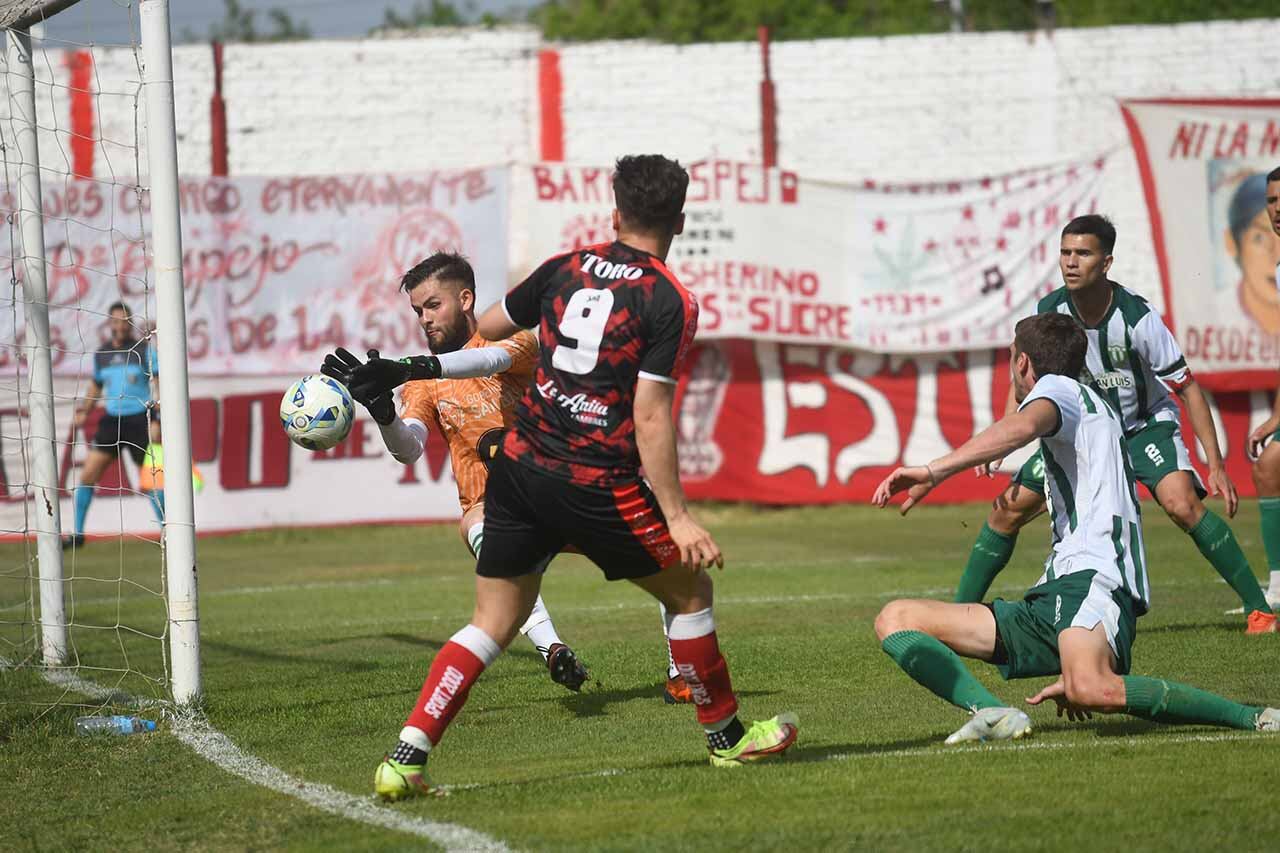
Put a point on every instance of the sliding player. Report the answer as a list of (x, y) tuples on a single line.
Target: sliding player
[(1266, 468), (614, 328), (1079, 620), (1135, 362), (470, 404)]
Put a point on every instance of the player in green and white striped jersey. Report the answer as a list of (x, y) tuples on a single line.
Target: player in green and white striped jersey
[(1079, 620), (1136, 364), (1266, 467)]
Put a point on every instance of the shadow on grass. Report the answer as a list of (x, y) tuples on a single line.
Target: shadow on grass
[(436, 645), (1229, 626), (265, 656)]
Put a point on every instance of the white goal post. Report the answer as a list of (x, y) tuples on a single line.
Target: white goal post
[(164, 256)]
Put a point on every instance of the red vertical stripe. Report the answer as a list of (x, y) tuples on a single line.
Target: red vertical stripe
[(80, 64), (550, 88)]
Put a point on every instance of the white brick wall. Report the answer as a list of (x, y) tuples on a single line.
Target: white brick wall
[(916, 107)]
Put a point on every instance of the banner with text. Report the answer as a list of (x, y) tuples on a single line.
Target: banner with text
[(1203, 165), (278, 271), (762, 422), (886, 267)]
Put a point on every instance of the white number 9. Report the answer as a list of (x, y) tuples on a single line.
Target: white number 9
[(584, 320)]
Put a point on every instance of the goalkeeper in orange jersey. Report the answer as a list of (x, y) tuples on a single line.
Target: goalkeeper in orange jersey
[(468, 393)]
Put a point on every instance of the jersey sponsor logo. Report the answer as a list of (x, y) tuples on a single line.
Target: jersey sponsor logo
[(587, 410), (1114, 379), (601, 268), (697, 690), (1057, 609), (444, 692), (1154, 454)]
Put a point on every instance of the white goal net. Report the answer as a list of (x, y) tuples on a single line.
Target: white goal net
[(92, 608)]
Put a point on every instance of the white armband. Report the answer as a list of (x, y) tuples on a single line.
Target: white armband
[(405, 439), (470, 363)]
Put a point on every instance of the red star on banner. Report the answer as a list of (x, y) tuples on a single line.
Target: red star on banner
[(881, 226), (968, 212), (1002, 244), (931, 246), (868, 184), (1099, 163), (986, 183)]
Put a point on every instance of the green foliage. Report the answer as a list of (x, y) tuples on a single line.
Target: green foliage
[(238, 25), (684, 21)]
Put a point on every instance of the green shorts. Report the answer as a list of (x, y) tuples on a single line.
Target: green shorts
[(1027, 630), (1155, 451)]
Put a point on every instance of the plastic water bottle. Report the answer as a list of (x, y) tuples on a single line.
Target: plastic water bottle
[(117, 725)]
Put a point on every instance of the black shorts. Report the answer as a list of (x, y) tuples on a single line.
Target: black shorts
[(530, 516), (130, 433)]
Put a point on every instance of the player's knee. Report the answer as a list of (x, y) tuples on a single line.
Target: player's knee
[(894, 617), (1265, 480), (1186, 510), (1095, 691)]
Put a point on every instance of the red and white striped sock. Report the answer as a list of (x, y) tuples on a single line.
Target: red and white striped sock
[(697, 655), (455, 668)]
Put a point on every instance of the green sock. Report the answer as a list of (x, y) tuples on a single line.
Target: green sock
[(1170, 702), (990, 554), (1219, 546), (1271, 531), (936, 667)]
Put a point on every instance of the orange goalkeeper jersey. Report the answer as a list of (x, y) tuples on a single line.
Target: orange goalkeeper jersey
[(473, 414)]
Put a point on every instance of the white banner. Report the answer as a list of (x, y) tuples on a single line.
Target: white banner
[(1204, 165), (894, 268), (278, 271)]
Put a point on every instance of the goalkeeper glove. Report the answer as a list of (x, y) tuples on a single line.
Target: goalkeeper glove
[(342, 366)]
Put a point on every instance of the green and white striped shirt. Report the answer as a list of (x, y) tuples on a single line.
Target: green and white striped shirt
[(1093, 499), (1134, 359)]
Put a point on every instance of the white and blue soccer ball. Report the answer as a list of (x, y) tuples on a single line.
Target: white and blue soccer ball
[(317, 412)]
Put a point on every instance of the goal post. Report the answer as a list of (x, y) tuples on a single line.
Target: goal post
[(175, 396), (148, 631)]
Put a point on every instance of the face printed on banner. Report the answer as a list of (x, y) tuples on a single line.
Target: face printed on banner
[(1253, 244), (1082, 261), (443, 309)]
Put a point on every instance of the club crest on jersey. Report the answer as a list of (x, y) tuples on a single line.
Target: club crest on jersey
[(1118, 353), (601, 268)]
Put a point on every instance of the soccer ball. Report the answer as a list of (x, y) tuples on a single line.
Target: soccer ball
[(317, 412)]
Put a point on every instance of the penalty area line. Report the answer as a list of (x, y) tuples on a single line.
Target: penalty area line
[(196, 733)]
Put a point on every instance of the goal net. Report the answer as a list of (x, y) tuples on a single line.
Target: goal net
[(97, 589)]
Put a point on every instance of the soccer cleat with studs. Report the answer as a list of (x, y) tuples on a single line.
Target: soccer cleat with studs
[(395, 781), (762, 739), (993, 724), (1260, 623), (565, 668)]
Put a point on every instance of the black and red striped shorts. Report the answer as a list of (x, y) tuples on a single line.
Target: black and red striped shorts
[(529, 516)]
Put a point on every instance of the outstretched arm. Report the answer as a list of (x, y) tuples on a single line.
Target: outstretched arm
[(1202, 423), (1039, 418)]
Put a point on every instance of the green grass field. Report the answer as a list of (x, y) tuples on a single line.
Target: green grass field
[(315, 644)]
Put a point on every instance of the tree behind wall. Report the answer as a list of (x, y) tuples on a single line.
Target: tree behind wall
[(684, 21)]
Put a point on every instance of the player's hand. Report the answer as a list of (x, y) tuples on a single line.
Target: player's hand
[(1058, 693), (989, 469), (698, 550), (342, 366), (917, 481), (1220, 483), (1258, 438)]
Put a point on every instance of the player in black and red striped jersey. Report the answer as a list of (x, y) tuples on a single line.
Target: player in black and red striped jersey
[(614, 327)]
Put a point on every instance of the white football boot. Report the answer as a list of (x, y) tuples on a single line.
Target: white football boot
[(993, 724)]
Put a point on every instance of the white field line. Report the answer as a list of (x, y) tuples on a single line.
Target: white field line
[(195, 732)]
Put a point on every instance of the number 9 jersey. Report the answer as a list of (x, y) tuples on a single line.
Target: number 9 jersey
[(606, 315)]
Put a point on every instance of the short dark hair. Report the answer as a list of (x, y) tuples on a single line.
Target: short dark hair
[(1055, 343), (1273, 175), (1096, 225), (120, 306), (649, 191), (446, 266)]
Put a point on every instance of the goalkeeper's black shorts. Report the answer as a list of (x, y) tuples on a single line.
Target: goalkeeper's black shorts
[(530, 516)]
